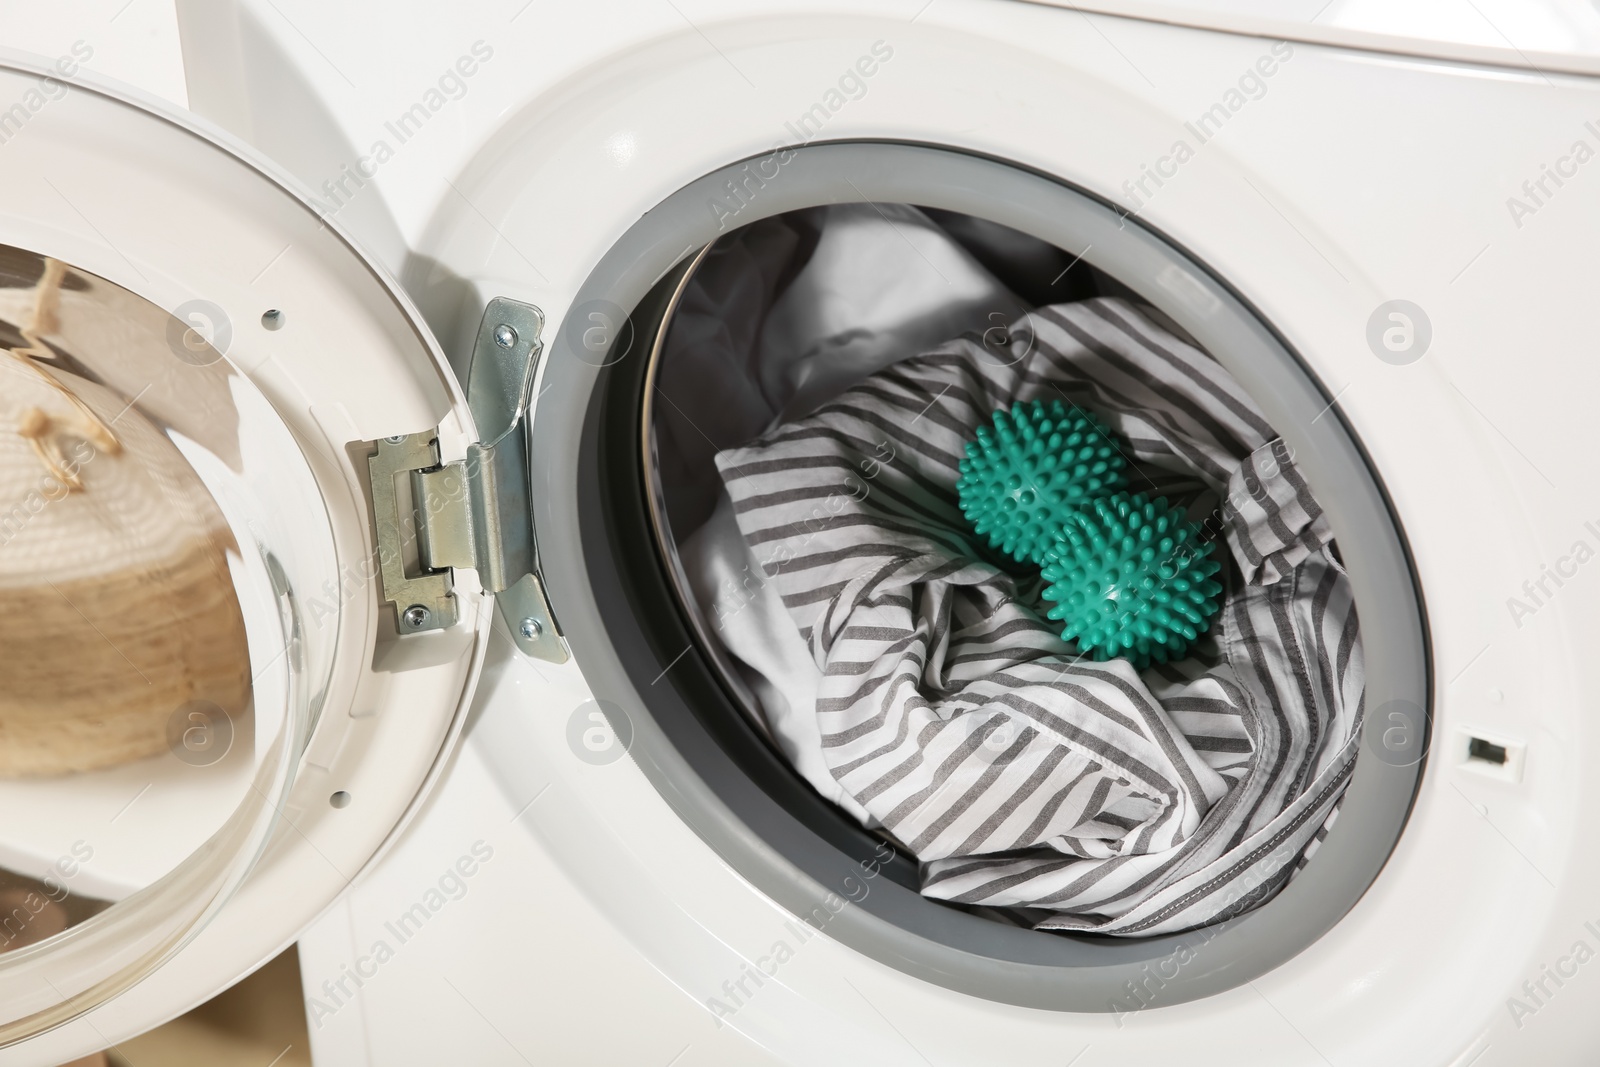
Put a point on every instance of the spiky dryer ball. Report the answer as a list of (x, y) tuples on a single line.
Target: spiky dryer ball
[(1130, 577), (1026, 473)]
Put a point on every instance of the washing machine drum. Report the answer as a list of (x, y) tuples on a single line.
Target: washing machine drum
[(749, 528), (213, 711)]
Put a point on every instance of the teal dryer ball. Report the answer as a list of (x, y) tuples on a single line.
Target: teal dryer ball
[(1130, 577), (1031, 468)]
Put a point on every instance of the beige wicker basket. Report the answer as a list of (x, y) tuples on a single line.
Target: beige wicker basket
[(116, 603)]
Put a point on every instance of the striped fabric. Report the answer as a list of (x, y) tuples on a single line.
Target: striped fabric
[(1087, 795)]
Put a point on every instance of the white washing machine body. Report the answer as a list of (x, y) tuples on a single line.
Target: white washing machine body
[(595, 924)]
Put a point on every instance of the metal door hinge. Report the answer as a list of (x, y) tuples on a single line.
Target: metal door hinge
[(475, 512)]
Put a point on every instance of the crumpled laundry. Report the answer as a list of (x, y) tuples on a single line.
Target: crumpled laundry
[(946, 710)]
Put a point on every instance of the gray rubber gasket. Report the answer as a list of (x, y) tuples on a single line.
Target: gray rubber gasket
[(795, 867)]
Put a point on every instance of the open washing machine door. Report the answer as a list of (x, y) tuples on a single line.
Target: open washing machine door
[(251, 540)]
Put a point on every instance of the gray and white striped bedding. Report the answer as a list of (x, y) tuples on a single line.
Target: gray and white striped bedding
[(1086, 796)]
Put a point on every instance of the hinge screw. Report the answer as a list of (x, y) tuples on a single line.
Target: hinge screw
[(416, 615), (530, 628), (504, 336)]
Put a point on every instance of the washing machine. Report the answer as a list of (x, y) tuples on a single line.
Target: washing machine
[(347, 609)]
